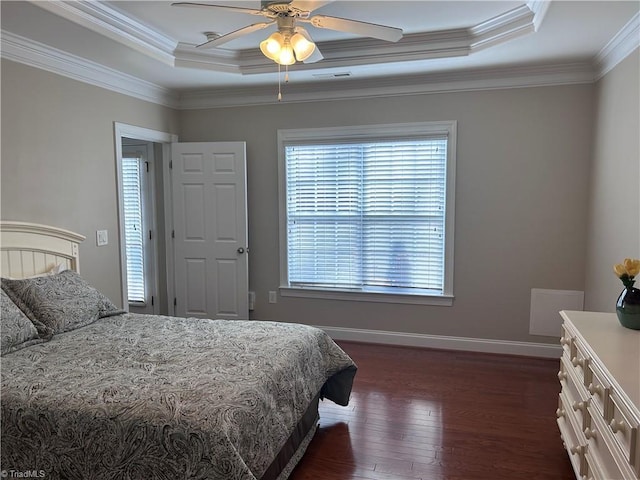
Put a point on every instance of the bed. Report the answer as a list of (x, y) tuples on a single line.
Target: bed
[(91, 392)]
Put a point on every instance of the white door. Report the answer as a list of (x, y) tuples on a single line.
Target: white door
[(210, 230)]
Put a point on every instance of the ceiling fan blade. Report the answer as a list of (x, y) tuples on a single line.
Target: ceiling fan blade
[(309, 5), (365, 29), (251, 11), (316, 56), (216, 42)]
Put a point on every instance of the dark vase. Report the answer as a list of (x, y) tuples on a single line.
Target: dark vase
[(628, 308)]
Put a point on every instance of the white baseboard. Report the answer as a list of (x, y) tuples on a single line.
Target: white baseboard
[(528, 349)]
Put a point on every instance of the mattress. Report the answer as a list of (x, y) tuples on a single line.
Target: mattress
[(154, 397)]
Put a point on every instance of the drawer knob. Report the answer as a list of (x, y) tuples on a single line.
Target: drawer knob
[(616, 426), (562, 375), (575, 362), (580, 405), (577, 449), (593, 389), (590, 433), (560, 413)]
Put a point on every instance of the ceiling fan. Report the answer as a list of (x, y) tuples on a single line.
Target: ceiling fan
[(291, 42)]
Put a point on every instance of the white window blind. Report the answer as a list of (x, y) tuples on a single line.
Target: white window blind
[(134, 233), (367, 215)]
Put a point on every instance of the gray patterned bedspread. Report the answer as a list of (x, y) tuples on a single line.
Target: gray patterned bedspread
[(153, 397)]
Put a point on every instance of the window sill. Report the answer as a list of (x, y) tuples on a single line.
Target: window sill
[(378, 297)]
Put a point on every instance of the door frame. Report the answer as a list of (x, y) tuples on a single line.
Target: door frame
[(123, 130)]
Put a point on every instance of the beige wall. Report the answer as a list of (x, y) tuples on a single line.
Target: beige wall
[(531, 203), (521, 202), (614, 208), (58, 159)]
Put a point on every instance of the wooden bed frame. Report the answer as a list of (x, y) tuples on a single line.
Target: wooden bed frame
[(29, 249)]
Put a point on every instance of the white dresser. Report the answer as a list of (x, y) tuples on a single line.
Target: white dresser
[(599, 404)]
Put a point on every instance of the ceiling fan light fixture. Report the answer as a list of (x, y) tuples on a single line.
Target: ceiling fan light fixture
[(286, 56), (302, 45), (272, 46), (279, 49), (291, 44)]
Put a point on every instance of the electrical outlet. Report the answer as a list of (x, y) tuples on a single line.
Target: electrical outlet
[(272, 297), (102, 238)]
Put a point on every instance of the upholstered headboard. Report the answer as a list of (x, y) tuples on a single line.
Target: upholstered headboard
[(29, 249)]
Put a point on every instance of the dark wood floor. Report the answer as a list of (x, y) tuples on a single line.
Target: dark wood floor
[(440, 415)]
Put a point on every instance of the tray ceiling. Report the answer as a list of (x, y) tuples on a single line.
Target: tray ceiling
[(155, 42)]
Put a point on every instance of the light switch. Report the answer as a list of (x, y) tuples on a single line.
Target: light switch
[(102, 238)]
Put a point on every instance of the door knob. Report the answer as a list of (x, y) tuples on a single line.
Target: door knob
[(240, 250)]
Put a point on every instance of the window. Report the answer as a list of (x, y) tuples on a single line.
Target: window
[(134, 233), (367, 212), (138, 224)]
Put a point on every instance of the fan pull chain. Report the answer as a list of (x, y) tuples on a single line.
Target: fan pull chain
[(279, 90), (286, 79)]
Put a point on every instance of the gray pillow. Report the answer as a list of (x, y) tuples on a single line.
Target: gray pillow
[(62, 302), (16, 330)]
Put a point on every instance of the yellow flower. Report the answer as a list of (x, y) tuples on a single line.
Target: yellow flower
[(619, 269), (627, 271), (632, 266)]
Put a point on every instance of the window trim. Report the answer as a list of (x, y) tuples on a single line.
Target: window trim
[(371, 132)]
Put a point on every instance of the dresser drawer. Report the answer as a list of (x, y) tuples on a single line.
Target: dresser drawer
[(605, 454), (566, 341), (624, 429), (591, 469), (580, 362), (570, 432), (599, 388), (576, 397)]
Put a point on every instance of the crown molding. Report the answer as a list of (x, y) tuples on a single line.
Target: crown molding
[(29, 52), (44, 57), (619, 47), (217, 59), (337, 54), (448, 82), (539, 9), (102, 19), (504, 27), (111, 23)]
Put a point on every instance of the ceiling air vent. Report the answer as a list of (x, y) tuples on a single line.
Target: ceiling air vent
[(326, 76)]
